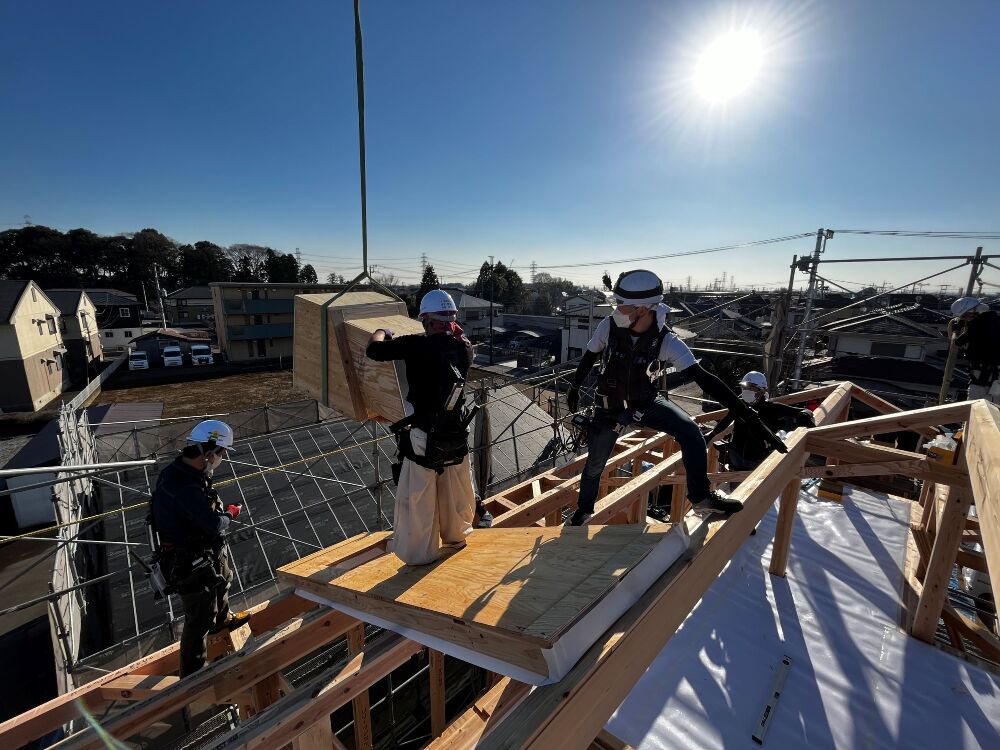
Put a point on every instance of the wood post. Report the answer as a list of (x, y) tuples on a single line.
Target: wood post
[(783, 531), (437, 691), (362, 711), (942, 560)]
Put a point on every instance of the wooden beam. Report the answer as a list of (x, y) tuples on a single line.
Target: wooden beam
[(981, 636), (852, 451), (467, 729), (135, 687), (362, 709), (571, 712), (437, 691), (882, 406), (906, 420), (618, 501), (789, 398), (941, 562), (982, 459), (219, 681), (309, 704)]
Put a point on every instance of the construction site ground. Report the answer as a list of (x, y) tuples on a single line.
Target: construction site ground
[(231, 393)]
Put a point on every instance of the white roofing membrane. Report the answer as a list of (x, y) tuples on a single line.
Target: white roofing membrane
[(856, 679)]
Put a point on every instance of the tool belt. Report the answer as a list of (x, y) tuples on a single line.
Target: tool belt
[(192, 571), (447, 440)]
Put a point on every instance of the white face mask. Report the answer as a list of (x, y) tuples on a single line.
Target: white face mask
[(622, 320), (210, 464), (749, 396)]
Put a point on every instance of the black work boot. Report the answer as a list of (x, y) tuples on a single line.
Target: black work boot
[(579, 518), (716, 506)]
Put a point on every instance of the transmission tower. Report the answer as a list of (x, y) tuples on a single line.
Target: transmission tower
[(534, 271)]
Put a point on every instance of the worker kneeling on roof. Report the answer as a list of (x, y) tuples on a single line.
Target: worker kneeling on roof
[(634, 345), (434, 494), (976, 328), (747, 449), (191, 521)]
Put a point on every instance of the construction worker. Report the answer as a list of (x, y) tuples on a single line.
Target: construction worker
[(635, 344), (434, 494), (976, 328), (747, 449), (191, 521)]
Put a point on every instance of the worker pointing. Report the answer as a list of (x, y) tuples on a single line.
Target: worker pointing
[(191, 522), (635, 344), (434, 493)]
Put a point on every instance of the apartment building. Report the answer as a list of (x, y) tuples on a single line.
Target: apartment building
[(255, 321), (190, 305), (78, 325), (32, 353)]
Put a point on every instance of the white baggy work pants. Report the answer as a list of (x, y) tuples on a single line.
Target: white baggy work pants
[(431, 508)]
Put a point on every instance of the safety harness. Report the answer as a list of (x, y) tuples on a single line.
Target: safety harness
[(446, 426), (629, 369)]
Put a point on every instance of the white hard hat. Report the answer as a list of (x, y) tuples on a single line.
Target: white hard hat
[(437, 301), (638, 287), (756, 378), (964, 305), (213, 431)]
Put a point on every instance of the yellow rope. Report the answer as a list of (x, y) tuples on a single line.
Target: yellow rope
[(223, 483)]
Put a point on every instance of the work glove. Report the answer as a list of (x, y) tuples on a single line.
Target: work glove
[(388, 333), (233, 511), (573, 398)]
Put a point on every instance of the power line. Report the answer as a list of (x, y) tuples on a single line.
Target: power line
[(959, 235), (685, 253)]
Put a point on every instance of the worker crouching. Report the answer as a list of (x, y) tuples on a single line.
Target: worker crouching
[(434, 494), (190, 522)]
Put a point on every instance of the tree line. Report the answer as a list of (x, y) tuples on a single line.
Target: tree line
[(81, 258), (133, 262)]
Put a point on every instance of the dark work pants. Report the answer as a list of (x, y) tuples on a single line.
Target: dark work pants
[(203, 610), (662, 416)]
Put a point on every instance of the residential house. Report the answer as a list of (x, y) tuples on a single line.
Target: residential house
[(474, 314), (191, 305), (581, 314), (32, 353), (119, 316), (78, 325), (888, 332), (255, 321)]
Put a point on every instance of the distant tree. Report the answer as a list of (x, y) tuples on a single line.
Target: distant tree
[(150, 251), (249, 262), (307, 274), (500, 284), (335, 278), (281, 268), (34, 252), (203, 263), (546, 293), (428, 281)]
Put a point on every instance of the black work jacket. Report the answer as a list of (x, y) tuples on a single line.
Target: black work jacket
[(624, 381), (186, 510)]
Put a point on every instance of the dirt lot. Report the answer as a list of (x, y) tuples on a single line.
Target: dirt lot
[(231, 393)]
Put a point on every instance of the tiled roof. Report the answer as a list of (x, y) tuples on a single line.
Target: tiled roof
[(67, 302), (104, 297), (192, 292)]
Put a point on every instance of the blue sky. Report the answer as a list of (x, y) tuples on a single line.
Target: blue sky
[(557, 133)]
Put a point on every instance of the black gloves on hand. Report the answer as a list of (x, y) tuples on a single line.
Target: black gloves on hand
[(750, 418), (573, 398)]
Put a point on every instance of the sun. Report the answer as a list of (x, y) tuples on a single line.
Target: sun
[(728, 65)]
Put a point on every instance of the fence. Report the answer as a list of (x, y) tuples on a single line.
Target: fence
[(94, 386)]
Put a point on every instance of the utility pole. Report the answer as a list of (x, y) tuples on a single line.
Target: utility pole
[(492, 293), (805, 327), (159, 295), (949, 365)]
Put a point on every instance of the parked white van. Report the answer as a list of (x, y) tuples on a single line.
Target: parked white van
[(201, 354), (172, 356), (138, 361)]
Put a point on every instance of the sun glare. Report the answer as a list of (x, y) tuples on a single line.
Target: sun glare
[(728, 65)]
